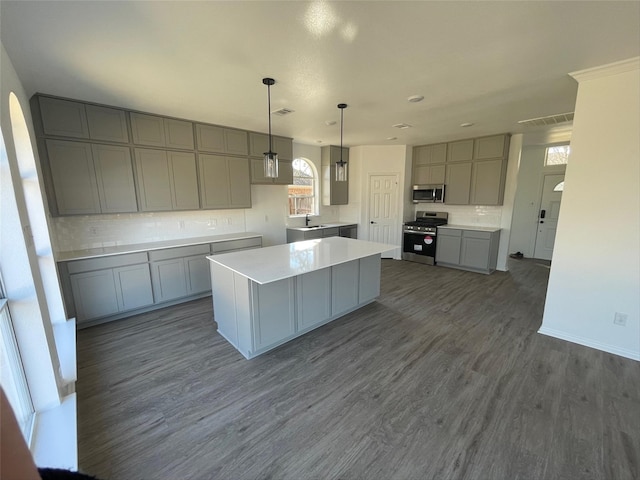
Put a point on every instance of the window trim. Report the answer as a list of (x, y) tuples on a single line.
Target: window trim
[(316, 190)]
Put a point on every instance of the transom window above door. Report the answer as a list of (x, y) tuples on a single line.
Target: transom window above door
[(303, 192)]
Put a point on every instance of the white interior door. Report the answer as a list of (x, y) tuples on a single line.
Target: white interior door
[(548, 216), (383, 209)]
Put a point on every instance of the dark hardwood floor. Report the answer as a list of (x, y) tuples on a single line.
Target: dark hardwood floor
[(444, 377)]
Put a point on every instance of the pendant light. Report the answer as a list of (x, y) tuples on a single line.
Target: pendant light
[(270, 157), (341, 166)]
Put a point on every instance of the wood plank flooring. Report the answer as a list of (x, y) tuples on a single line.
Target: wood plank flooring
[(444, 377)]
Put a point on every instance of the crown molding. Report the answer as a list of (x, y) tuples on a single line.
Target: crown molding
[(615, 68)]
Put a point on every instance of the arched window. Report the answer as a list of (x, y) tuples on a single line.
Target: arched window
[(303, 192)]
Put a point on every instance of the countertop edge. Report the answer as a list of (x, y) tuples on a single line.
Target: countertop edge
[(477, 228), (67, 256)]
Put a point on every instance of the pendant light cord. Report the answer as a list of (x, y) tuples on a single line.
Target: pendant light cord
[(269, 112)]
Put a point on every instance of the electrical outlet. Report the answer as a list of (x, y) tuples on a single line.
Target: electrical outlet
[(620, 319)]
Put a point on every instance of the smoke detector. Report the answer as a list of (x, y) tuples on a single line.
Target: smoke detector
[(401, 126), (415, 98)]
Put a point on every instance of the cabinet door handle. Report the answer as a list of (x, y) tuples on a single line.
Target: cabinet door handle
[(373, 221)]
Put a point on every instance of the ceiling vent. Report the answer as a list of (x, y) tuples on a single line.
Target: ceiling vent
[(283, 111), (401, 125), (546, 121)]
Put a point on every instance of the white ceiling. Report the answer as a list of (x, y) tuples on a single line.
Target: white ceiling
[(489, 63)]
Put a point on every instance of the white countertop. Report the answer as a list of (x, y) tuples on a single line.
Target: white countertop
[(143, 247), (469, 227), (269, 264), (323, 225)]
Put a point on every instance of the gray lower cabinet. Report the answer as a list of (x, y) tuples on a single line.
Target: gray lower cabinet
[(467, 249), (110, 285), (344, 287), (224, 181), (313, 298), (180, 272), (349, 231), (91, 178), (166, 180), (297, 235), (273, 312)]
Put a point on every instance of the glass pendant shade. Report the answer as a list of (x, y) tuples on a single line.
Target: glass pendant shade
[(341, 166), (271, 165), (341, 171)]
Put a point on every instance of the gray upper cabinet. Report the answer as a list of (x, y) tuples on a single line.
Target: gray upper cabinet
[(114, 174), (487, 182), (147, 130), (166, 180), (259, 144), (215, 139), (178, 134), (429, 154), (458, 185), (161, 132), (74, 177), (63, 118), (224, 182), (333, 192), (490, 147), (91, 178), (461, 151), (426, 174), (108, 124)]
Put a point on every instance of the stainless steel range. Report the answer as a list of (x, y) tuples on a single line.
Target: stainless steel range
[(419, 237)]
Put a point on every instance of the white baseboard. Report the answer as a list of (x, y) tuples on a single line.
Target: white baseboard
[(587, 342)]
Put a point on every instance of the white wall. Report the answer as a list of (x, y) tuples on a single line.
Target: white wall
[(383, 160), (596, 272)]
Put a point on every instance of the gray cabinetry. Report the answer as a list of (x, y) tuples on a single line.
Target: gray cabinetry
[(297, 234), (166, 180), (313, 298), (224, 181), (333, 192), (158, 131), (344, 287), (258, 145), (108, 124), (474, 172), (273, 312), (179, 272), (216, 139), (369, 278), (458, 183), (285, 173), (468, 249), (349, 231), (90, 178), (63, 118), (106, 286)]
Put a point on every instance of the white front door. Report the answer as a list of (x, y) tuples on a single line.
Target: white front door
[(383, 210), (548, 216)]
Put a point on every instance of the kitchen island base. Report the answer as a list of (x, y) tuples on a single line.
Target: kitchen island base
[(256, 318)]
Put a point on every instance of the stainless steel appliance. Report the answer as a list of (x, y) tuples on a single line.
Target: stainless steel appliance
[(428, 193), (419, 237)]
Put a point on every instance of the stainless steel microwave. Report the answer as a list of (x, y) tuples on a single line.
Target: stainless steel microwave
[(428, 193)]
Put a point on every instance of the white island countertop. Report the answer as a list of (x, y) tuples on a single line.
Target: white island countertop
[(270, 264)]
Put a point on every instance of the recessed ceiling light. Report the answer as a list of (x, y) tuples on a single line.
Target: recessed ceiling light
[(415, 98), (466, 124), (392, 138), (330, 122), (318, 141), (401, 125)]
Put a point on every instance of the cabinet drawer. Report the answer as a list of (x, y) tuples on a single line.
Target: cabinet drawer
[(449, 232), (179, 252), (476, 234), (331, 232), (101, 263), (219, 247)]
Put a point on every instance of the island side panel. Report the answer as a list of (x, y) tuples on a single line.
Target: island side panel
[(242, 289), (369, 285), (224, 302)]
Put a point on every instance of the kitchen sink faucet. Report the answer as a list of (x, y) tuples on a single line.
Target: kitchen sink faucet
[(306, 220)]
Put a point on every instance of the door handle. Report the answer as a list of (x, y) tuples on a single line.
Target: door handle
[(542, 213), (372, 222)]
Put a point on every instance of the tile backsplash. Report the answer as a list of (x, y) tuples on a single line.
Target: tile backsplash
[(470, 215), (93, 231)]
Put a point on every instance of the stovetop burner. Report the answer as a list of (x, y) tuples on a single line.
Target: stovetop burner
[(429, 219)]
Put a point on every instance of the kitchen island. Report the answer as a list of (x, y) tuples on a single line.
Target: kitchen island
[(265, 297)]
